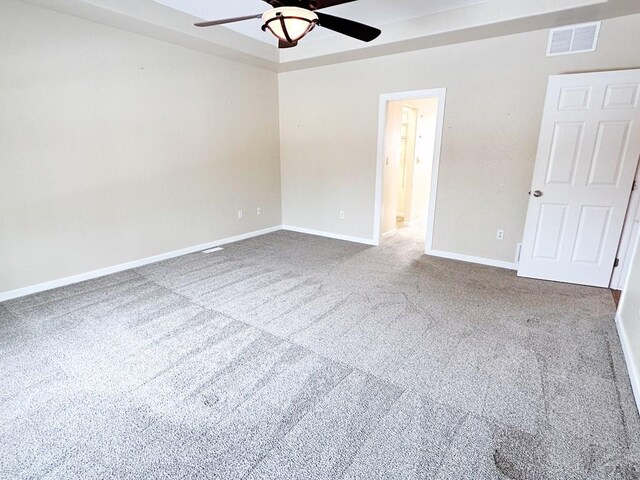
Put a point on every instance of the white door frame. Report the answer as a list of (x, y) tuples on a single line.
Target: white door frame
[(627, 240), (440, 94)]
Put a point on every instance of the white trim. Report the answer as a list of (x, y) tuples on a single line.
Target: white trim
[(634, 374), (213, 250), (472, 259), (337, 236), (627, 347), (627, 239), (61, 282), (518, 252), (389, 233), (440, 94), (435, 171)]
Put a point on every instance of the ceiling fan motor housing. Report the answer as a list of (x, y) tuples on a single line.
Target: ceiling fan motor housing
[(289, 24)]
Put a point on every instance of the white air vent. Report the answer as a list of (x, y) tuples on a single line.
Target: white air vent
[(573, 39)]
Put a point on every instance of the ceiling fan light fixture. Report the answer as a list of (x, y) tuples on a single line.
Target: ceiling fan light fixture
[(289, 24)]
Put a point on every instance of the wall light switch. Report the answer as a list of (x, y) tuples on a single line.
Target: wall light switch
[(500, 235), (259, 211), (239, 214)]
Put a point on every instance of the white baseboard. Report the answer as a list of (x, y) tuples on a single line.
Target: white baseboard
[(632, 364), (472, 259), (337, 236), (21, 292)]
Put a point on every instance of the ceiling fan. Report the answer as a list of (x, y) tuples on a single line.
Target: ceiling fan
[(290, 20)]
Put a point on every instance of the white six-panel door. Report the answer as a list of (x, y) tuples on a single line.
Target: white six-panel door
[(587, 156)]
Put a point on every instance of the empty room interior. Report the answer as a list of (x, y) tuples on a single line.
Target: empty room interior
[(320, 239)]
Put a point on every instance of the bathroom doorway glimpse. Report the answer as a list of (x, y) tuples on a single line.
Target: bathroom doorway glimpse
[(409, 139)]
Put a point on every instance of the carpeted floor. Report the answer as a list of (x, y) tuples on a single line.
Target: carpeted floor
[(293, 356)]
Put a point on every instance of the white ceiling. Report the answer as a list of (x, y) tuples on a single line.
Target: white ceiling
[(372, 12)]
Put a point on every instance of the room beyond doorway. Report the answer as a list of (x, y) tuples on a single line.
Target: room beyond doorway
[(409, 138)]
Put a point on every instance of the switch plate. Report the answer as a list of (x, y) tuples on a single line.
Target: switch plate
[(259, 211), (239, 214), (500, 235)]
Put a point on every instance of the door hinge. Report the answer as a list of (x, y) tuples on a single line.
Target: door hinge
[(616, 263), (634, 186)]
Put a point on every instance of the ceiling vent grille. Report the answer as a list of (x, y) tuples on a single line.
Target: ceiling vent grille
[(573, 39)]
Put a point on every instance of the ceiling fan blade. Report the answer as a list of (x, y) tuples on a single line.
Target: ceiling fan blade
[(306, 4), (227, 20), (318, 4), (348, 27)]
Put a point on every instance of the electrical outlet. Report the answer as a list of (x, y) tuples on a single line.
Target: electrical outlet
[(500, 235), (259, 211), (341, 214), (239, 214)]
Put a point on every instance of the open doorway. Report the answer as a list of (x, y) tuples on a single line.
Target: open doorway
[(409, 138)]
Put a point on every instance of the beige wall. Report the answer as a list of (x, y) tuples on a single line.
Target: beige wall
[(116, 147), (495, 95), (629, 322)]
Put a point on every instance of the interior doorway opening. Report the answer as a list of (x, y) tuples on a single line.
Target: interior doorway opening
[(408, 178), (410, 132)]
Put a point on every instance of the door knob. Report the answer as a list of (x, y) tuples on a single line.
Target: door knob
[(537, 193)]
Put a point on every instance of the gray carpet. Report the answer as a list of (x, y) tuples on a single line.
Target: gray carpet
[(293, 356)]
